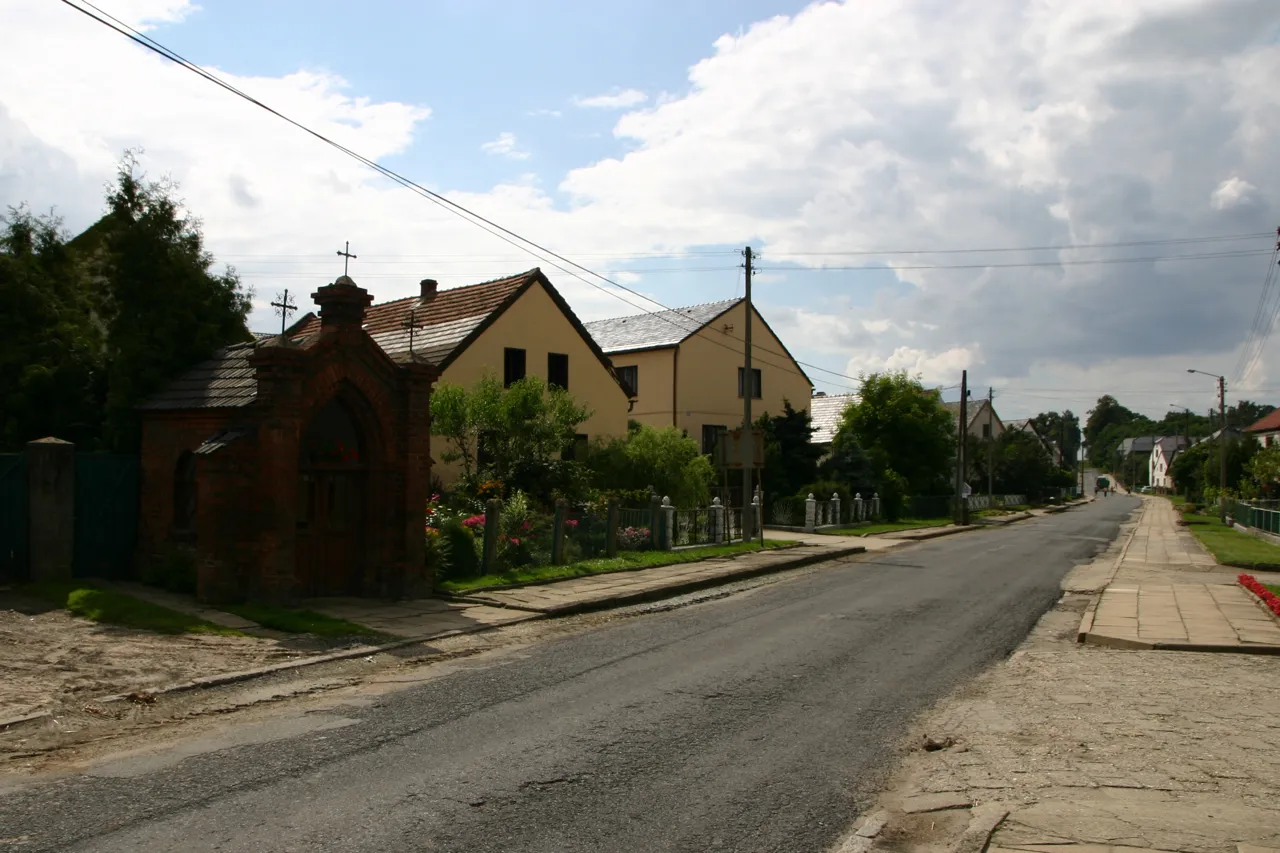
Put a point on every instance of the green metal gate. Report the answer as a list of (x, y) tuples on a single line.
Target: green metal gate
[(106, 523), (13, 516)]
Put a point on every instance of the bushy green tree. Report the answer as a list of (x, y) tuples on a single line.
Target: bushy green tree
[(848, 465), (516, 435), (163, 307), (52, 381), (904, 428), (665, 459), (790, 456), (1061, 431)]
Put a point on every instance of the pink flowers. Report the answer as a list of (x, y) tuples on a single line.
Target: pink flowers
[(473, 522), (1269, 598), (571, 523)]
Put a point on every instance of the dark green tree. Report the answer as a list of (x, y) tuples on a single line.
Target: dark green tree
[(902, 428), (848, 465), (1061, 430), (163, 307), (1246, 413), (51, 354), (790, 457), (1108, 423)]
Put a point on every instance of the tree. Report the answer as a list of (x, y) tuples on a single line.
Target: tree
[(1109, 423), (1022, 466), (1062, 431), (902, 428), (1196, 469), (51, 368), (163, 308), (849, 466), (790, 456), (665, 459), (1264, 470), (1246, 413), (516, 435)]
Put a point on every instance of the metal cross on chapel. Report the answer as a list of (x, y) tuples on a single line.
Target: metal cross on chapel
[(284, 308), (346, 256), (411, 323)]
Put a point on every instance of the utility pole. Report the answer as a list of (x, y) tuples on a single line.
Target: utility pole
[(962, 505), (1222, 450), (748, 387), (991, 443)]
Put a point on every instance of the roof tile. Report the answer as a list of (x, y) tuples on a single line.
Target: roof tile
[(655, 329)]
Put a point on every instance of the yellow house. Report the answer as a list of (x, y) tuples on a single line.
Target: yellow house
[(684, 367), (510, 327)]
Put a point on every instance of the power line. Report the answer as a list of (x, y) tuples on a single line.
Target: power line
[(1236, 254), (1064, 247), (1263, 320), (476, 219)]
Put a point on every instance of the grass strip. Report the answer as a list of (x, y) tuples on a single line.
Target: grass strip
[(626, 561), (115, 608)]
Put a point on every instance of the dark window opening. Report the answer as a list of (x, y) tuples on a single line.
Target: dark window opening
[(755, 384), (512, 366), (558, 370), (577, 450), (711, 435), (184, 493), (630, 379), (986, 430)]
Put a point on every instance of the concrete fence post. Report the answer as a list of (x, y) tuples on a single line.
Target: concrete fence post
[(717, 521), (810, 513), (857, 506), (668, 523), (51, 508), (875, 505), (835, 508)]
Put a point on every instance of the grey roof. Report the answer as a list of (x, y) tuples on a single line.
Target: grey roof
[(221, 439), (1141, 444), (658, 329), (1171, 442), (222, 381), (1020, 423), (825, 412)]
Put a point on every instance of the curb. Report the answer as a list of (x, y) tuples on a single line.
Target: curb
[(1104, 641), (693, 585), (223, 679), (936, 534), (465, 596)]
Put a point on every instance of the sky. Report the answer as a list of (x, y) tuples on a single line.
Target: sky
[(1064, 197)]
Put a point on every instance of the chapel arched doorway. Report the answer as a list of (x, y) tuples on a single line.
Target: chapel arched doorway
[(332, 503)]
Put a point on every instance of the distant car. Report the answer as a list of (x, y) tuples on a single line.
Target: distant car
[(1145, 490)]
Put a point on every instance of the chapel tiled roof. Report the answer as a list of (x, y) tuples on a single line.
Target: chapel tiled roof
[(656, 329), (824, 415), (224, 380)]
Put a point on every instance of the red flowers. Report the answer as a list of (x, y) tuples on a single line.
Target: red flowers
[(571, 522), (1269, 598), (473, 522)]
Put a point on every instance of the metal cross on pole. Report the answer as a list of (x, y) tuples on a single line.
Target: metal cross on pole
[(284, 308), (411, 323), (346, 255)]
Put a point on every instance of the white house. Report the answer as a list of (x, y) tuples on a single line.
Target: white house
[(1163, 452)]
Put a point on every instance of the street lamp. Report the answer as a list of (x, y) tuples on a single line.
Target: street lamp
[(1222, 442)]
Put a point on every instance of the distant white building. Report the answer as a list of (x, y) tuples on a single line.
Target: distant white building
[(1163, 452)]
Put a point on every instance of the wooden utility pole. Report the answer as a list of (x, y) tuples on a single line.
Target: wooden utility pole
[(748, 387), (991, 443), (962, 505), (1222, 450)]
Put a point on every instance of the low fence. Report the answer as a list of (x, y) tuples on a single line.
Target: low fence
[(1255, 515), (574, 533), (817, 513), (978, 502)]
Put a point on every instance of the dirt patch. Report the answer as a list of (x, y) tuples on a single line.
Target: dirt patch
[(52, 661)]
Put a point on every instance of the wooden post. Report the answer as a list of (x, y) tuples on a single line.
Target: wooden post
[(492, 520)]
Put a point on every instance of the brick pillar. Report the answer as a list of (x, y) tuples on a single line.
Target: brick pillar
[(51, 503)]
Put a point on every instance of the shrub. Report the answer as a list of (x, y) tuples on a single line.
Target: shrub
[(462, 558), (893, 494), (633, 538), (436, 553)]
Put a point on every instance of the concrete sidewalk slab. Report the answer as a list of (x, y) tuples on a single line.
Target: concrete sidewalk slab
[(616, 589), (1189, 617), (420, 619)]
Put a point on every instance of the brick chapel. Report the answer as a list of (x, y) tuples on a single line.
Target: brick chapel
[(295, 466)]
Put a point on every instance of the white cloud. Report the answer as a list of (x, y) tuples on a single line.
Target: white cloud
[(504, 145), (1231, 193), (545, 113), (615, 100), (862, 126)]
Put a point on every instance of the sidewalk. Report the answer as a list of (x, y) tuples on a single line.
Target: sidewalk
[(1168, 593), (1068, 747), (619, 588)]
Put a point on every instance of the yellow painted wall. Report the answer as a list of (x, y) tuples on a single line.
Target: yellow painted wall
[(655, 380), (536, 325), (707, 375)]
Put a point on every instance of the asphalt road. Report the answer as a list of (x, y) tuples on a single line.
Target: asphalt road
[(759, 722)]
